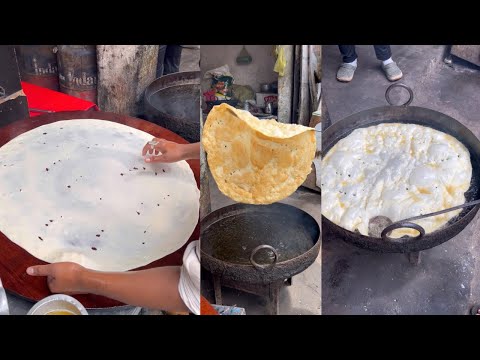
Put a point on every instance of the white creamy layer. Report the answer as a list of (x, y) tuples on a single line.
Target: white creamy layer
[(394, 170)]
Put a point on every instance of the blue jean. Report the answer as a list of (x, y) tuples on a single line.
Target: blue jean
[(168, 59), (383, 52)]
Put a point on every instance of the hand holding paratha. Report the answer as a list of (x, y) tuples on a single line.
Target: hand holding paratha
[(155, 288), (63, 277), (161, 150)]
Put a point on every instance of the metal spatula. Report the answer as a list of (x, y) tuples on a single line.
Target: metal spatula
[(381, 226)]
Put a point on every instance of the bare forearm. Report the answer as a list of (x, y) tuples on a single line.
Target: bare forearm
[(191, 151), (153, 288)]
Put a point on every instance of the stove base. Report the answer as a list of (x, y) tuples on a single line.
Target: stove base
[(414, 258), (269, 291)]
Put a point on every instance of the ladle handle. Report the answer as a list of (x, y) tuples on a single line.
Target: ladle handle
[(407, 223), (410, 92), (471, 203), (263, 266), (402, 225)]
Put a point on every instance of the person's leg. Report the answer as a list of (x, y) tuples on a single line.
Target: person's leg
[(390, 68), (172, 59), (161, 59), (382, 52), (348, 53), (347, 68)]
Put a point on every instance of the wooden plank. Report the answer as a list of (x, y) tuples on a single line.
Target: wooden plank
[(285, 91), (124, 72)]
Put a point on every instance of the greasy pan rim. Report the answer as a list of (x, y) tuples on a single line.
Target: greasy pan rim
[(237, 206)]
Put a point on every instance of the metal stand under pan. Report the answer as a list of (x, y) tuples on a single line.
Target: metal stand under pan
[(270, 291)]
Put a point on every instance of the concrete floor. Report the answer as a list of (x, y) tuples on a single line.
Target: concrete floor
[(447, 281), (303, 297)]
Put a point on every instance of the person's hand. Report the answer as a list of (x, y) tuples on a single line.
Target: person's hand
[(164, 151), (63, 277)]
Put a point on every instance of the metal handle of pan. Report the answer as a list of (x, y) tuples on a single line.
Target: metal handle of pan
[(263, 266), (402, 225), (389, 89), (407, 223)]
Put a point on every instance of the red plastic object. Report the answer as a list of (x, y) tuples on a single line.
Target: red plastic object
[(45, 99)]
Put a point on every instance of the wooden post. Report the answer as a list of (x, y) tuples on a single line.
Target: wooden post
[(285, 91), (205, 202), (124, 71)]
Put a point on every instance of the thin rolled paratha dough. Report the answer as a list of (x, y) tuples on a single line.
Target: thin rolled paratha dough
[(256, 161), (80, 191)]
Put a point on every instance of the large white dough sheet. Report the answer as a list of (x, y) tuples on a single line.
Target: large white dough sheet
[(80, 191)]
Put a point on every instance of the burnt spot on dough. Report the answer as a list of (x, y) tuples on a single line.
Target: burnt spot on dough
[(102, 231), (100, 198), (144, 168), (44, 133), (138, 213), (155, 173), (68, 186), (143, 243), (20, 190), (46, 224), (98, 235), (158, 204), (50, 220), (163, 170), (40, 238), (168, 195), (121, 174), (135, 168), (94, 248), (46, 169), (145, 232)]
